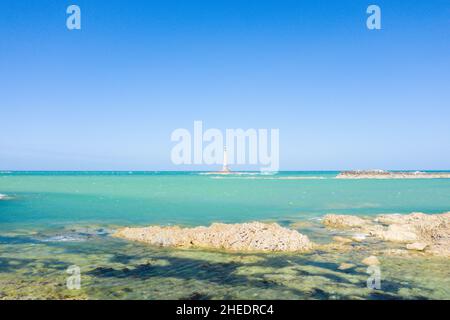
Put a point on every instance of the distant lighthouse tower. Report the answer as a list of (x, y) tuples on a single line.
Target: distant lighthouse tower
[(225, 167)]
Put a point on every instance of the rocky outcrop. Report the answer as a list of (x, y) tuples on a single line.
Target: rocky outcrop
[(433, 229), (381, 174), (343, 221), (419, 231), (254, 236), (414, 233)]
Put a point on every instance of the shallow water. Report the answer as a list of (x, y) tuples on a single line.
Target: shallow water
[(54, 220)]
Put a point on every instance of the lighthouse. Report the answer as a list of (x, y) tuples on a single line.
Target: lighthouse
[(225, 168)]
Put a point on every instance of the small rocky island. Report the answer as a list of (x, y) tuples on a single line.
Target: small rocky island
[(254, 236), (382, 174)]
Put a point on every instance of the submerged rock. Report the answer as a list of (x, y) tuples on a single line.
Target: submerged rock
[(359, 237), (73, 234), (395, 252), (343, 221), (346, 266), (419, 246), (300, 224), (371, 261), (254, 236), (342, 239)]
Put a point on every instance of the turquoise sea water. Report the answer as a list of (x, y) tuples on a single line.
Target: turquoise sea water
[(51, 220), (194, 198)]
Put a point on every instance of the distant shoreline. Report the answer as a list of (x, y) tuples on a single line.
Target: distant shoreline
[(280, 175), (381, 174)]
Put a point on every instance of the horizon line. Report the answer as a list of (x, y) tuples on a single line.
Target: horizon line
[(212, 171)]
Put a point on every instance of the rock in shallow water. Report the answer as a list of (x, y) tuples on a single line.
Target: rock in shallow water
[(342, 239), (343, 221), (346, 266), (431, 231), (358, 237), (416, 246), (254, 236), (371, 261)]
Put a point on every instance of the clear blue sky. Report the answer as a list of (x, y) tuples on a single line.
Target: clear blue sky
[(109, 96)]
